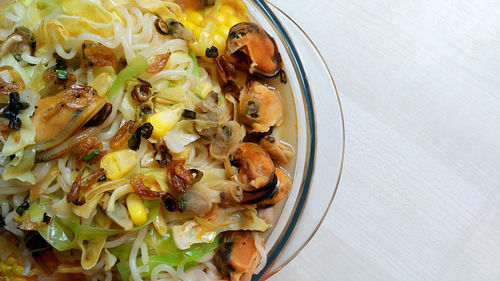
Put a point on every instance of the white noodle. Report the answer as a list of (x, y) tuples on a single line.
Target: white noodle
[(144, 253), (123, 239), (135, 274)]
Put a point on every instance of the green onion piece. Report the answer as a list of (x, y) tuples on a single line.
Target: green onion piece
[(92, 154), (136, 66), (17, 57), (22, 208), (196, 73), (62, 74), (189, 114)]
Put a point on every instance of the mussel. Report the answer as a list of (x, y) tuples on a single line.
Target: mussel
[(227, 139), (58, 117), (257, 46), (260, 107), (256, 169), (237, 256)]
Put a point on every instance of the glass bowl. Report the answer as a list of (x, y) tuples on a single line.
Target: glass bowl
[(320, 137)]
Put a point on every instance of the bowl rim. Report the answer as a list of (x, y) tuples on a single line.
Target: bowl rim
[(263, 5)]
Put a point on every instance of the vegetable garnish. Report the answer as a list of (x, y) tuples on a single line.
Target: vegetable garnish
[(212, 52), (145, 130), (135, 67), (62, 74), (92, 154), (22, 208), (189, 114)]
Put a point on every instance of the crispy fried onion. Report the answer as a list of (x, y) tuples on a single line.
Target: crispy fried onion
[(78, 96), (17, 84), (158, 63), (86, 146), (81, 185), (180, 178), (141, 185), (122, 135), (225, 68), (162, 156), (50, 77), (99, 55)]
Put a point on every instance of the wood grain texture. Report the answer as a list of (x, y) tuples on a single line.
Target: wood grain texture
[(419, 197)]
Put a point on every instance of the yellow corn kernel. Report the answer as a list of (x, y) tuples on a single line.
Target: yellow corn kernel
[(225, 9), (117, 164), (197, 32), (189, 25), (219, 41), (221, 18), (194, 17), (136, 209), (232, 20), (183, 155), (222, 29), (165, 120), (183, 17)]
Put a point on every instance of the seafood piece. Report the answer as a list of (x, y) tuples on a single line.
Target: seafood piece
[(279, 151), (22, 40), (257, 46), (58, 117), (260, 107), (256, 167), (237, 256), (226, 141)]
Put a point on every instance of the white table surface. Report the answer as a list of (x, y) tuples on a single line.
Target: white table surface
[(419, 197)]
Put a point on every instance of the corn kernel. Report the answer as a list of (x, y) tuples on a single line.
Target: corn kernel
[(117, 164), (136, 209), (222, 29), (221, 18), (183, 17), (232, 20), (197, 32), (225, 9), (165, 120), (194, 17), (189, 25), (219, 41)]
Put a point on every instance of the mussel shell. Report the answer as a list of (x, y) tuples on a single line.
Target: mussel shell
[(57, 118), (238, 39), (261, 194)]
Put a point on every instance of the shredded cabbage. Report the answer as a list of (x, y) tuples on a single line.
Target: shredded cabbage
[(201, 230), (21, 143), (162, 251)]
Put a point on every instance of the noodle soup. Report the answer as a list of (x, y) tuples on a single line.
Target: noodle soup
[(141, 140)]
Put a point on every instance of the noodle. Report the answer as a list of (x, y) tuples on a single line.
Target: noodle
[(134, 271)]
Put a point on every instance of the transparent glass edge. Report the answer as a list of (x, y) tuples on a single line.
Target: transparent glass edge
[(297, 215), (311, 144)]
